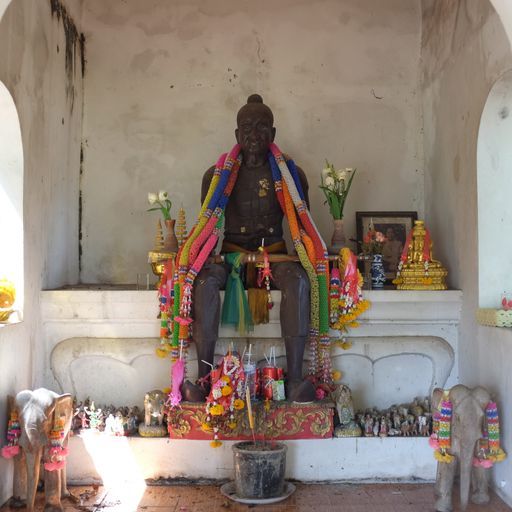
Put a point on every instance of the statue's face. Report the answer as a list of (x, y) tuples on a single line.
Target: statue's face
[(255, 133)]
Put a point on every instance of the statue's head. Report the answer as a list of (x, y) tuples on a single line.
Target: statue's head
[(255, 128)]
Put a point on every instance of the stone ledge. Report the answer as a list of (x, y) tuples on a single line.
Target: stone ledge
[(96, 458)]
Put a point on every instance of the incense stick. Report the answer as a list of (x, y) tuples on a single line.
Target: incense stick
[(249, 412)]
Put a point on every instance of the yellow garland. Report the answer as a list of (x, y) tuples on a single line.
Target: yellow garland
[(498, 456), (443, 457), (345, 345)]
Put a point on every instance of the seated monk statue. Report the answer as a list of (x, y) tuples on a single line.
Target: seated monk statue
[(253, 213)]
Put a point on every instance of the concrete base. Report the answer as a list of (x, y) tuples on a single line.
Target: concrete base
[(114, 460)]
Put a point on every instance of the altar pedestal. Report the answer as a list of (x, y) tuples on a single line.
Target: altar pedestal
[(101, 343)]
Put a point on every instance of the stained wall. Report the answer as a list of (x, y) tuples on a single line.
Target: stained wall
[(165, 80), (464, 51), (48, 96)]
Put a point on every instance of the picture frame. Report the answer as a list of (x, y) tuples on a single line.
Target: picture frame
[(394, 225)]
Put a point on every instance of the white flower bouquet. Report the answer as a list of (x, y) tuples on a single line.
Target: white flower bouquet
[(160, 202), (336, 186)]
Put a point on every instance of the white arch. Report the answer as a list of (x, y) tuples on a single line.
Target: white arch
[(11, 194), (494, 161)]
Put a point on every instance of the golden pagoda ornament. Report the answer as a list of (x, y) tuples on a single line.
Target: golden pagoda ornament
[(181, 227), (417, 270), (160, 255)]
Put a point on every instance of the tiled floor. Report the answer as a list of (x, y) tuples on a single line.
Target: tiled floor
[(307, 498)]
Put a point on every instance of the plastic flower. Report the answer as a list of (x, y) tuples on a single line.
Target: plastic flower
[(329, 182), (160, 202), (238, 404), (373, 241), (216, 410), (336, 375), (335, 185), (341, 174), (379, 237), (226, 390)]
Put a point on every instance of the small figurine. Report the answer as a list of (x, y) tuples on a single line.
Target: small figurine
[(119, 422), (133, 420), (383, 432), (345, 408), (95, 417), (110, 425), (154, 403), (368, 425), (376, 428)]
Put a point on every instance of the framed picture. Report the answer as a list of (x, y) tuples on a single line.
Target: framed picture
[(395, 226)]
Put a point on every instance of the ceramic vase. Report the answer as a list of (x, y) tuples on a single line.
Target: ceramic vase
[(378, 275), (170, 241), (338, 240)]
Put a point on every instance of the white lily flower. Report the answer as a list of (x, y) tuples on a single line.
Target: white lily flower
[(325, 172), (163, 195), (329, 182), (342, 174), (152, 198)]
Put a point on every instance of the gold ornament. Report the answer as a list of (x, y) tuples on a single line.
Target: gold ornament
[(7, 298), (181, 227), (158, 257), (418, 270)]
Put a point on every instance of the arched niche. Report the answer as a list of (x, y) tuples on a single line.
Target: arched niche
[(11, 196), (494, 175)]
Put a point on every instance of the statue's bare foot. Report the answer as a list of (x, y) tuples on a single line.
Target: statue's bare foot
[(300, 391), (192, 392)]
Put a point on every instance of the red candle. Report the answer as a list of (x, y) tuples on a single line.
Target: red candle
[(269, 375)]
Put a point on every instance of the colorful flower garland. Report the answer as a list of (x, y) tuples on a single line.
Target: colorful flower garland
[(204, 236), (346, 294), (226, 396), (13, 436), (440, 439), (489, 450), (56, 451)]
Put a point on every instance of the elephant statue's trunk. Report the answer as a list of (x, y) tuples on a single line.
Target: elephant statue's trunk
[(466, 466)]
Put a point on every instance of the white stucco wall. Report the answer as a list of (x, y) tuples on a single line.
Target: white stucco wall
[(464, 51), (165, 80), (34, 72)]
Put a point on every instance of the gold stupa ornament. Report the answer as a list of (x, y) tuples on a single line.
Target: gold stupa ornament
[(417, 270)]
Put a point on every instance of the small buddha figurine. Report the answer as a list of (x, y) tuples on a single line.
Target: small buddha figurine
[(417, 269)]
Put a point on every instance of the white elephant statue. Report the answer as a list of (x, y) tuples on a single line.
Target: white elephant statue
[(468, 423), (45, 420)]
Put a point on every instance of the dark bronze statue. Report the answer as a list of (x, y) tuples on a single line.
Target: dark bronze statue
[(252, 214)]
